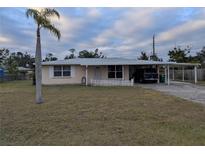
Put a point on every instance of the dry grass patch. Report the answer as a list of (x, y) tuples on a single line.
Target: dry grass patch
[(78, 115), (202, 83)]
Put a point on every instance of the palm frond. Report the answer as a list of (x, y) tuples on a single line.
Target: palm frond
[(53, 30), (43, 21), (48, 12), (32, 13)]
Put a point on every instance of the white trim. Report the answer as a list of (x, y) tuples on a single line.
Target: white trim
[(165, 74), (72, 71), (168, 77), (182, 73), (123, 72), (111, 82), (172, 73), (86, 74), (195, 74), (51, 72), (158, 67)]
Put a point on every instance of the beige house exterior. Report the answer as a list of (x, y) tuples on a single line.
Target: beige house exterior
[(101, 71), (77, 73)]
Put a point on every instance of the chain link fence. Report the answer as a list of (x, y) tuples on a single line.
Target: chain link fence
[(12, 77)]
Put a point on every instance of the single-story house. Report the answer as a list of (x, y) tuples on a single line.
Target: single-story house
[(104, 71)]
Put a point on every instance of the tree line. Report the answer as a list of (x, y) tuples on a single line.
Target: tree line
[(12, 60), (73, 54), (179, 55)]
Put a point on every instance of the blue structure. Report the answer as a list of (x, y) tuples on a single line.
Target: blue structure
[(1, 72)]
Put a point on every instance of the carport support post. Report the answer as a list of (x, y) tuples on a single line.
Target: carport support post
[(165, 73), (183, 73), (158, 73), (86, 75), (123, 72), (168, 78), (195, 74), (172, 73)]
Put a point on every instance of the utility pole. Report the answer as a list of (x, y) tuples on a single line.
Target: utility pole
[(153, 45)]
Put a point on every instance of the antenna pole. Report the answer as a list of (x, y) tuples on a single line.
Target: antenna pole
[(153, 45)]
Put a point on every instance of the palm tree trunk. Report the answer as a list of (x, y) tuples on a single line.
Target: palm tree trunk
[(38, 70)]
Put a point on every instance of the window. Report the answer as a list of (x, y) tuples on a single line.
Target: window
[(57, 71), (66, 70), (62, 71), (111, 71), (115, 71), (119, 71)]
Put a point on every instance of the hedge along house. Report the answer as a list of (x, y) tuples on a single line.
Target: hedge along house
[(106, 71)]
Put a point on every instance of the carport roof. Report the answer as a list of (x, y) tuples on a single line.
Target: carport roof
[(111, 61)]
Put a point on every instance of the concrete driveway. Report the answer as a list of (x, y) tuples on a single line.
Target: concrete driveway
[(184, 90)]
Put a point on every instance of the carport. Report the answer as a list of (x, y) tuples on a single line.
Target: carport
[(172, 66), (167, 69)]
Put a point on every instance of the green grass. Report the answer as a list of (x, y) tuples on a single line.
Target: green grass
[(79, 115)]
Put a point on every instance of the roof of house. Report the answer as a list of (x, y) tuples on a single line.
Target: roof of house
[(110, 61), (24, 69)]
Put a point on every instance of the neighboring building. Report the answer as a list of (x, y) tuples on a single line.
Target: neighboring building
[(105, 71), (24, 73)]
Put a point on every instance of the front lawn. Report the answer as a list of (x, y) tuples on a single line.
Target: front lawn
[(202, 83), (79, 115)]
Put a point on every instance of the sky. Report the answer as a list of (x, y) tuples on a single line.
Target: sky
[(116, 32)]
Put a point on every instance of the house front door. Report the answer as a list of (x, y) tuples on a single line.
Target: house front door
[(97, 75)]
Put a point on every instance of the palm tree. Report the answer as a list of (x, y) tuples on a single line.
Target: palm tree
[(42, 19), (143, 56)]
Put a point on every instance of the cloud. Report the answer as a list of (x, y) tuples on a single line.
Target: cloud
[(132, 31), (4, 40), (117, 32), (124, 27), (94, 13), (180, 30), (68, 26), (130, 25)]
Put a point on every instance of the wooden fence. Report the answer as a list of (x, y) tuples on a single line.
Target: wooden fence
[(111, 82)]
